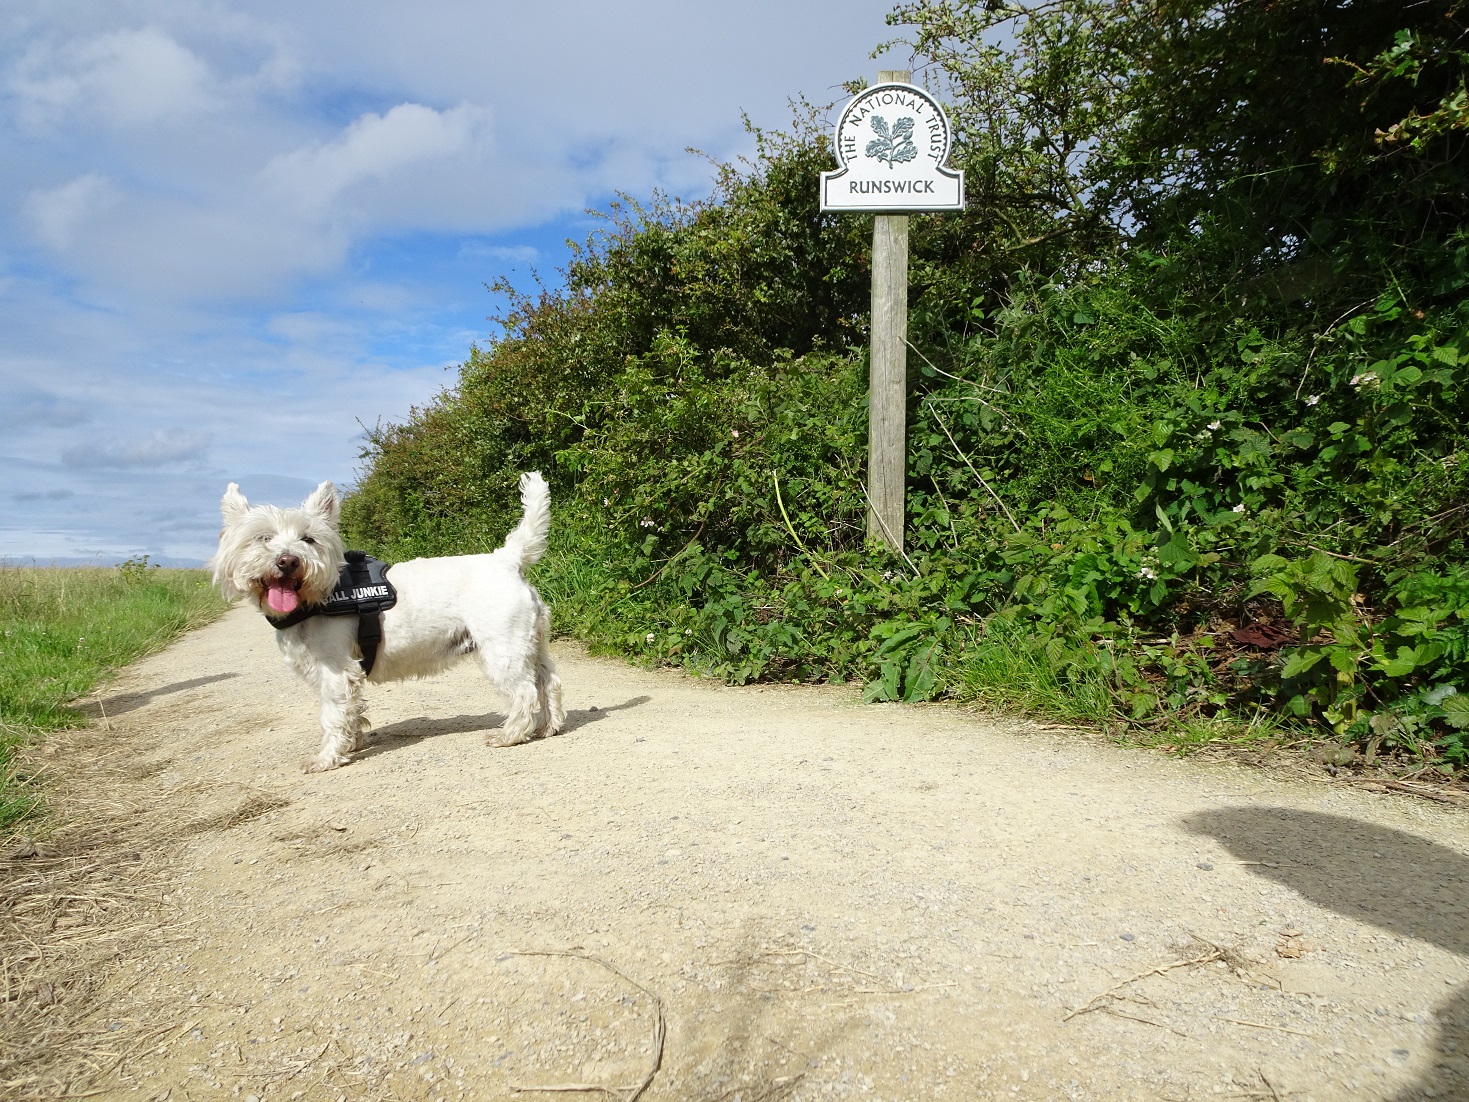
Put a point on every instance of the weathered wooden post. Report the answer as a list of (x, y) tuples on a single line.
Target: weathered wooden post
[(887, 387), (892, 140)]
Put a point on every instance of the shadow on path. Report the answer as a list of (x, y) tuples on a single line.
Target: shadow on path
[(582, 717), (393, 736), (126, 702), (1394, 880)]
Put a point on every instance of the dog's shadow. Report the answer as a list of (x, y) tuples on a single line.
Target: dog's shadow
[(406, 732)]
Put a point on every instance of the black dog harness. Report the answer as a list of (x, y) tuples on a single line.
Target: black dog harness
[(363, 590)]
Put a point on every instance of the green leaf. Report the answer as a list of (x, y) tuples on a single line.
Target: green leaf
[(1177, 552), (1410, 658), (1438, 694), (1301, 661), (885, 688), (921, 679), (1456, 710), (903, 635)]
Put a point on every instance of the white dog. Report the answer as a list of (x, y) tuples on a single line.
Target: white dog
[(289, 560)]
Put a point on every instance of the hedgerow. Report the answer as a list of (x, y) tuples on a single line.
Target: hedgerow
[(1187, 407)]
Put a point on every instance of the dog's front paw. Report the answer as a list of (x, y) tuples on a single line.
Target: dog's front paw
[(320, 763)]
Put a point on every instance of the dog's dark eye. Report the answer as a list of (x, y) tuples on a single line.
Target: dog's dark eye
[(307, 539)]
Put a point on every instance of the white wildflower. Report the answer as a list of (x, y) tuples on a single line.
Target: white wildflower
[(688, 631), (1312, 399), (650, 636), (606, 501), (735, 433), (1240, 508), (1367, 378), (1147, 573), (647, 522), (1215, 426)]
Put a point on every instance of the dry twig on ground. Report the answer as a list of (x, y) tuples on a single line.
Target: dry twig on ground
[(660, 1030), (1097, 1003)]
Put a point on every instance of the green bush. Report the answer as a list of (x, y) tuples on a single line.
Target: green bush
[(1187, 394)]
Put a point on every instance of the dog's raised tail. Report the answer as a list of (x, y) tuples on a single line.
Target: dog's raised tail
[(528, 541)]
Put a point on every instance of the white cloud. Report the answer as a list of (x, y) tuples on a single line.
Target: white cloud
[(269, 224), (127, 77), (508, 254), (161, 448), (58, 214), (376, 146)]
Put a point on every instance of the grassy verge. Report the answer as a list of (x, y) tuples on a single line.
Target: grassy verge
[(62, 630)]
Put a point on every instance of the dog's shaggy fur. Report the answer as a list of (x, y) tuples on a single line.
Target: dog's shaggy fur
[(447, 610)]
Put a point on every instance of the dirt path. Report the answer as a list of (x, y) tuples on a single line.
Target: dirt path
[(815, 898)]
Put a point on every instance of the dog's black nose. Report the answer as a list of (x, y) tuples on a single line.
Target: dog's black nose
[(288, 564)]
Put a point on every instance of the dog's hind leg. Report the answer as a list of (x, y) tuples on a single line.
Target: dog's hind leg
[(513, 672), (548, 683), (343, 717), (552, 712), (520, 721)]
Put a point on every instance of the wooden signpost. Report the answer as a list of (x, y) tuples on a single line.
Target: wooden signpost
[(892, 140)]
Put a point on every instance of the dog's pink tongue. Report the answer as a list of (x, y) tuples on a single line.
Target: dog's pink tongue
[(281, 598)]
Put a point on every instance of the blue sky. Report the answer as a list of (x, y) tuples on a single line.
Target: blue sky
[(233, 233)]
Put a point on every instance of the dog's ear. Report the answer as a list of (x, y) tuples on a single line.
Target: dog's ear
[(323, 502), (233, 505)]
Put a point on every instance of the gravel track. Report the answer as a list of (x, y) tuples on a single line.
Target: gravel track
[(763, 893)]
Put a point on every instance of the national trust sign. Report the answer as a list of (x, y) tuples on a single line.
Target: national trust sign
[(892, 141)]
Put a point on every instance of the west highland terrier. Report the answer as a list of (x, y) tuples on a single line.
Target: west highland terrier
[(288, 561)]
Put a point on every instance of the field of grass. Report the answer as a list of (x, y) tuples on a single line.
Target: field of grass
[(63, 630)]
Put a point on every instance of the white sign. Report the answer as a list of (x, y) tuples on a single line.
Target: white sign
[(892, 141)]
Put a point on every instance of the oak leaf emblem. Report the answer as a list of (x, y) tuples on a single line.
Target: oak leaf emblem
[(893, 146)]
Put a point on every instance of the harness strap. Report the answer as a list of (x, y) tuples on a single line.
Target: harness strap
[(362, 590), (369, 635), (301, 612)]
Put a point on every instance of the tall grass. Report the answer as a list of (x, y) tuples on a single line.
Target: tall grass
[(1003, 670), (63, 630)]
